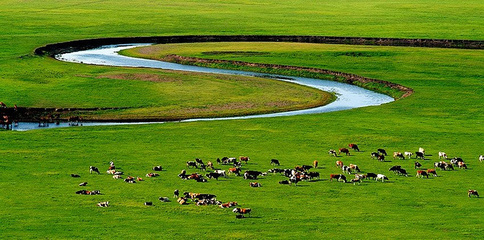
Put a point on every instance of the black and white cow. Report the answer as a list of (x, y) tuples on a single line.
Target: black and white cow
[(275, 162), (93, 169)]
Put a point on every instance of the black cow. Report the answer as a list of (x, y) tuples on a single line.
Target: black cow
[(275, 170), (149, 203), (176, 193), (191, 164), (382, 151), (158, 168), (213, 175), (83, 184), (275, 162), (312, 175), (371, 175), (374, 155), (306, 167), (420, 155), (251, 174), (402, 171), (75, 175), (395, 168), (417, 165)]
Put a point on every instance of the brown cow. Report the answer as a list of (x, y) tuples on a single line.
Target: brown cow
[(432, 171), (244, 159), (354, 147), (344, 150), (339, 164), (315, 163), (422, 173)]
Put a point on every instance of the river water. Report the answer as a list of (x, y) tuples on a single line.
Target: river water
[(348, 96)]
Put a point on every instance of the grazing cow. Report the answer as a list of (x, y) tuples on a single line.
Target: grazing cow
[(356, 180), (191, 164), (103, 204), (148, 203), (398, 155), (221, 172), (360, 176), (395, 168), (198, 161), (255, 184), (213, 175), (417, 165), (354, 147), (287, 182), (306, 167), (342, 178), (210, 165), (402, 172), (244, 159), (408, 154), (442, 155), (432, 171), (158, 168), (472, 192), (164, 199), (339, 164), (332, 152), (421, 150), (381, 177), (382, 151), (242, 211), (75, 175), (130, 179), (371, 175), (93, 169), (176, 193), (346, 169), (251, 174), (344, 150), (315, 163), (381, 158), (481, 158), (275, 162), (152, 175), (375, 155), (422, 173), (235, 170), (337, 177), (462, 165), (312, 175), (355, 167), (83, 184), (420, 155), (202, 167), (275, 170)]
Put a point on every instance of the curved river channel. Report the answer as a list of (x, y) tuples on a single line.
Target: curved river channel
[(348, 96)]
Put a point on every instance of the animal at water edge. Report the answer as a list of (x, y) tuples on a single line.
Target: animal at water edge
[(93, 169), (472, 193), (354, 147), (345, 151), (381, 177)]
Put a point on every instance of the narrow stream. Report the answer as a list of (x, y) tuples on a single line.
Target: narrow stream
[(348, 96)]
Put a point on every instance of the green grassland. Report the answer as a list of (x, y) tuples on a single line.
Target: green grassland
[(37, 197)]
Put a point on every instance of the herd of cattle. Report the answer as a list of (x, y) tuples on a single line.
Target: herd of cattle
[(234, 166)]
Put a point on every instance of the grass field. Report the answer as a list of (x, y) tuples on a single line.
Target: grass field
[(37, 195)]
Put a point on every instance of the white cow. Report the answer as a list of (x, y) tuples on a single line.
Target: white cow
[(408, 154), (103, 204), (481, 158), (442, 155), (221, 172), (382, 177)]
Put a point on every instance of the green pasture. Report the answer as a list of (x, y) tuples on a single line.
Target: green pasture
[(37, 194)]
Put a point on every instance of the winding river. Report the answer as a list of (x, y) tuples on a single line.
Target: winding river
[(348, 96)]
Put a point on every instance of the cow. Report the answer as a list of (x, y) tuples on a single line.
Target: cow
[(442, 155), (83, 184), (148, 203), (354, 147), (420, 155), (342, 178), (346, 169), (210, 165), (312, 175), (360, 176), (408, 154), (130, 179), (103, 204), (299, 168), (371, 175), (198, 161), (164, 199), (462, 165), (381, 158), (374, 155), (339, 164), (275, 170), (75, 176), (395, 168), (251, 174), (421, 150), (182, 200), (176, 193), (422, 173), (228, 205), (306, 167), (192, 164), (472, 192), (202, 167), (332, 152), (139, 179), (337, 177), (356, 180), (417, 165), (152, 175), (402, 172), (315, 163), (432, 171), (242, 211), (285, 182), (157, 168), (481, 158), (398, 155), (93, 169), (382, 151), (355, 167), (235, 170), (345, 151), (221, 172), (244, 159), (213, 175), (255, 184), (275, 162), (381, 177), (117, 177)]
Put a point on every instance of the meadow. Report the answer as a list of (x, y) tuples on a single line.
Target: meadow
[(37, 194)]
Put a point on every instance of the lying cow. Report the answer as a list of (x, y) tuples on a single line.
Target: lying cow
[(152, 175), (164, 199), (242, 211), (255, 184), (157, 168), (103, 204)]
